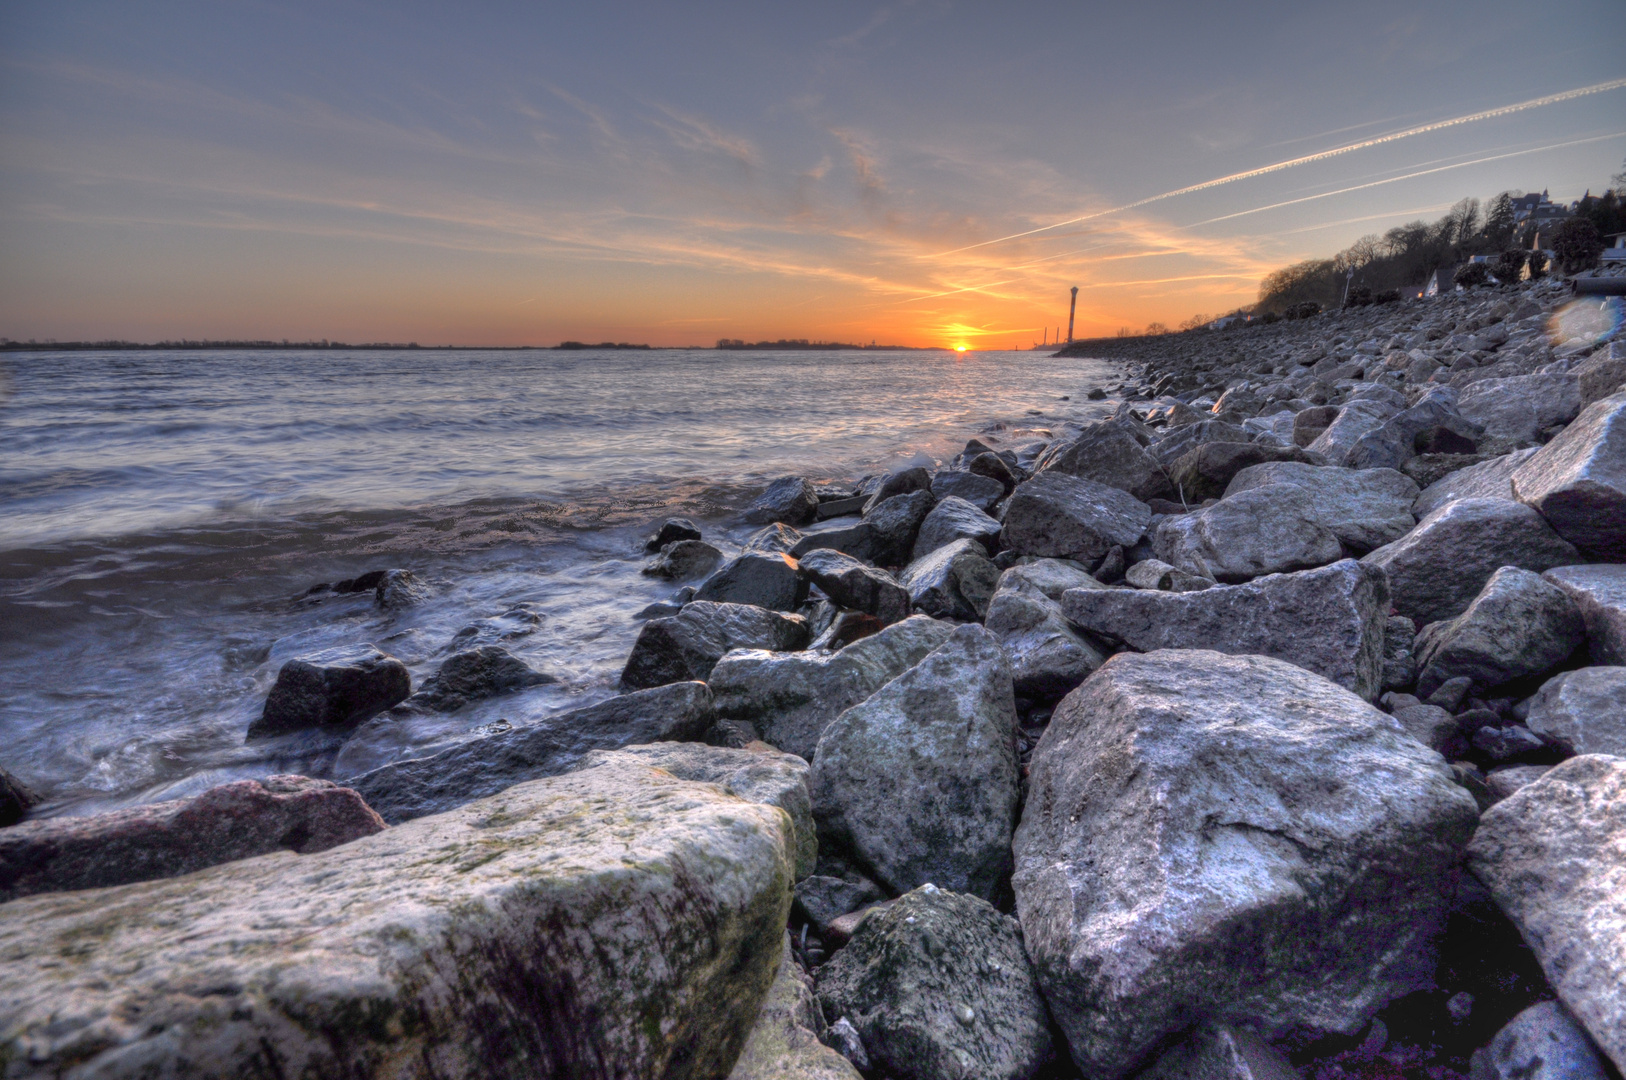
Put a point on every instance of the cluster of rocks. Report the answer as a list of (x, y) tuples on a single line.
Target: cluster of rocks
[(1274, 726)]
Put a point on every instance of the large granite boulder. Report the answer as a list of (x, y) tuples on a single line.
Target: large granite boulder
[(762, 580), (1578, 481), (671, 531), (790, 698), (790, 499), (756, 775), (1047, 656), (1353, 421), (1107, 453), (689, 644), (1330, 621), (1059, 516), (684, 560), (1600, 593), (1517, 627), (937, 985), (1554, 856), (983, 492), (159, 840), (1516, 410), (785, 1040), (955, 519), (852, 584), (1437, 569), (1204, 839), (1491, 479), (1585, 710), (476, 674), (1433, 420), (955, 581), (1364, 508), (403, 790), (1264, 530), (1542, 1043), (919, 782), (1204, 471), (536, 933), (1182, 439), (1602, 374), (335, 689), (901, 482)]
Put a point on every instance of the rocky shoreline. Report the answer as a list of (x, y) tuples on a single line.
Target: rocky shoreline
[(1274, 726)]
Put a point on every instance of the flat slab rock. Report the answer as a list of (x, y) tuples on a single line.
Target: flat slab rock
[(1554, 857), (403, 790), (1330, 621), (1364, 508), (529, 934), (167, 839), (1264, 530), (1491, 479), (937, 985), (1201, 841)]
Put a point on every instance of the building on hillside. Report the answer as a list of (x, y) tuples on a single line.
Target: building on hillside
[(1225, 320), (1535, 206), (1441, 281), (1616, 251)]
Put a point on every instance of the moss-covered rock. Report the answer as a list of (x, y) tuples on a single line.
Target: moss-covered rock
[(615, 922)]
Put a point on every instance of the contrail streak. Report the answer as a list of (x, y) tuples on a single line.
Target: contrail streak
[(1307, 159), (1408, 176)]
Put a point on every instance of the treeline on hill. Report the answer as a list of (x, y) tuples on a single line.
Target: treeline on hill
[(1407, 254)]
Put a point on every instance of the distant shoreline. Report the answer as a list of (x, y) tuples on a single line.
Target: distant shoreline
[(568, 346)]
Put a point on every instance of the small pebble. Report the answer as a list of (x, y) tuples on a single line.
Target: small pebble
[(964, 1014)]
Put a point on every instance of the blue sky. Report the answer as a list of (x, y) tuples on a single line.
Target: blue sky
[(505, 173)]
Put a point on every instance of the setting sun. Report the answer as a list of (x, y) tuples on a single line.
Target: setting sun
[(959, 348)]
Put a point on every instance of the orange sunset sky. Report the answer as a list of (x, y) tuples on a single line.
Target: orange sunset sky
[(520, 174)]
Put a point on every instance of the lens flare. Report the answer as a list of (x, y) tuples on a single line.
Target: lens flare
[(1586, 321)]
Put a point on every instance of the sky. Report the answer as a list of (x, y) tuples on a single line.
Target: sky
[(502, 174)]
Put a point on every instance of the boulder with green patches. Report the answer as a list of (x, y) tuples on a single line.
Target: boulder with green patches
[(610, 923)]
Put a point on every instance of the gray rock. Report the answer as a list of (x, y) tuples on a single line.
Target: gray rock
[(919, 783), (1264, 530), (684, 560), (1518, 626), (399, 589), (1542, 1043), (166, 839), (843, 1038), (1329, 621), (484, 942), (671, 531), (765, 777), (1157, 575), (995, 467), (1430, 725), (902, 482), (689, 644), (1059, 516), (790, 499), (937, 985), (1506, 743), (1171, 447), (403, 790), (775, 539), (1437, 569), (1353, 421), (822, 899), (1052, 577), (983, 492), (1106, 453), (1491, 479), (1308, 424), (335, 689), (1434, 420), (852, 584), (1601, 375), (765, 581), (790, 698), (1505, 781), (1600, 593), (1551, 856), (1578, 481), (1047, 656), (1399, 653), (1364, 508), (1191, 814), (1204, 471), (16, 799), (884, 537), (475, 674), (1518, 409), (1585, 710), (1221, 1052), (955, 519), (953, 582), (784, 1043)]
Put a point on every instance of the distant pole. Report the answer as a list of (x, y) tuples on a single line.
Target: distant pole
[(1070, 309)]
